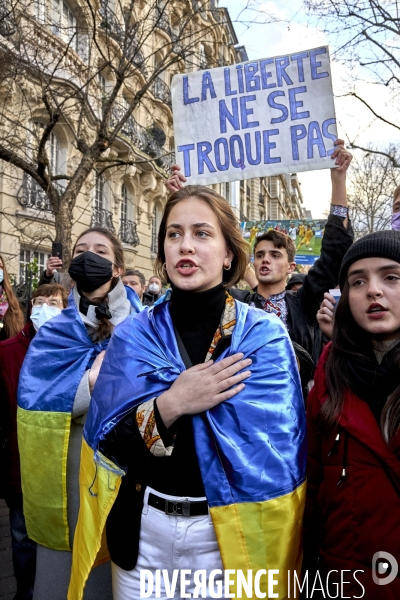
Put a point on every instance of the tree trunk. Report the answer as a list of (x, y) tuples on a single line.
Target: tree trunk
[(63, 226)]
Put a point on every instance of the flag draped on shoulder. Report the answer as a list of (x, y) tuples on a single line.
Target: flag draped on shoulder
[(55, 363), (251, 448)]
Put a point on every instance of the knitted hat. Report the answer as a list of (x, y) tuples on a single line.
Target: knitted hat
[(383, 244)]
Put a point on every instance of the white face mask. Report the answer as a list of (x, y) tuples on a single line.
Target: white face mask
[(42, 314), (154, 288), (1, 275)]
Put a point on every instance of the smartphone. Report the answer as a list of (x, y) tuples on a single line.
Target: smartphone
[(57, 249)]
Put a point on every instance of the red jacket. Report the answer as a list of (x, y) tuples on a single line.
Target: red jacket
[(12, 354), (361, 515)]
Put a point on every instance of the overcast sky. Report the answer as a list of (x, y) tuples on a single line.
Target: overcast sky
[(297, 32)]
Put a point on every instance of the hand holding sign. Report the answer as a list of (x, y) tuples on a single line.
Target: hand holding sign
[(255, 119)]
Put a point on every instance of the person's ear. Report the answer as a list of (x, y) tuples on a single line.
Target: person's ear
[(117, 271), (229, 255), (291, 267)]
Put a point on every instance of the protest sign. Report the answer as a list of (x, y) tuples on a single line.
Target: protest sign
[(254, 119), (306, 234)]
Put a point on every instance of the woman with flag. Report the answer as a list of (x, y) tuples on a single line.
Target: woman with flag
[(55, 387), (194, 447)]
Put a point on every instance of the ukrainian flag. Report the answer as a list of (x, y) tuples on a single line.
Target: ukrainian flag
[(57, 358), (251, 448)]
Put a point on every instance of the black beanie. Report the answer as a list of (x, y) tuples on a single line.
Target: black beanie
[(382, 244)]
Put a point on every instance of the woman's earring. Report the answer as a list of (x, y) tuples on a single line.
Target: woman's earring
[(228, 267)]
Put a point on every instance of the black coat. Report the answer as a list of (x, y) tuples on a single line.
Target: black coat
[(304, 304)]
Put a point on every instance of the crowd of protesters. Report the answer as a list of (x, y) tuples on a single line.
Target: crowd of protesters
[(163, 425)]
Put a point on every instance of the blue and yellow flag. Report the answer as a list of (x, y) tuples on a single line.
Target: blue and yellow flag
[(57, 358), (251, 448)]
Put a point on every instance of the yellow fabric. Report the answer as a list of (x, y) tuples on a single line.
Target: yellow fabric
[(252, 535), (262, 535), (43, 446), (99, 488)]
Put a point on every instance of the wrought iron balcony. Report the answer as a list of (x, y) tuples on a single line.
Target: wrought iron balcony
[(161, 21), (161, 91), (31, 195), (110, 23), (142, 139), (102, 218), (128, 232), (140, 62)]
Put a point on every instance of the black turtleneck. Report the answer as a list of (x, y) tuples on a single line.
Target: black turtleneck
[(196, 317)]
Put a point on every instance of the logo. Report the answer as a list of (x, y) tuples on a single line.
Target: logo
[(384, 568)]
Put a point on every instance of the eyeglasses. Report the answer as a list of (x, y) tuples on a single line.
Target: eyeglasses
[(39, 301)]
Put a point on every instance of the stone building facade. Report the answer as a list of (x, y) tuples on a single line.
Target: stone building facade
[(127, 200)]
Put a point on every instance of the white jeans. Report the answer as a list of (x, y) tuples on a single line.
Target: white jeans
[(170, 543)]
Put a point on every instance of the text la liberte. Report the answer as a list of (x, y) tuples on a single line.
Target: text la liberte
[(237, 107)]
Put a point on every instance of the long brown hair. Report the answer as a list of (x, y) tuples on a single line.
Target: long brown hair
[(13, 320), (229, 227), (349, 342), (105, 328)]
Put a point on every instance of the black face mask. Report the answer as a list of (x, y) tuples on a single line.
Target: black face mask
[(90, 271)]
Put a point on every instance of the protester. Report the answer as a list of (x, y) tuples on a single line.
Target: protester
[(47, 301), (326, 312), (51, 274), (153, 292), (274, 256), (11, 316), (57, 378), (194, 440), (135, 280), (295, 282), (353, 425)]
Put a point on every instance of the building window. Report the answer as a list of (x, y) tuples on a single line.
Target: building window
[(225, 191), (124, 203), (157, 214), (52, 146), (99, 199), (101, 217), (128, 228), (58, 15), (27, 256)]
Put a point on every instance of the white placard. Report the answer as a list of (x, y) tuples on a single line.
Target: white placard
[(257, 118)]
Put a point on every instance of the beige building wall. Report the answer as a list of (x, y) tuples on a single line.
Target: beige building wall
[(128, 200)]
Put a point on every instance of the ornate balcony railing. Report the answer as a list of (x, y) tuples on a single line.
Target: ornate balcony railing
[(140, 62), (110, 23), (141, 138), (128, 232), (31, 195), (161, 91), (161, 21), (102, 218)]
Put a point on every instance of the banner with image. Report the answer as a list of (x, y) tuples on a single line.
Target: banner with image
[(259, 118), (306, 234)]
